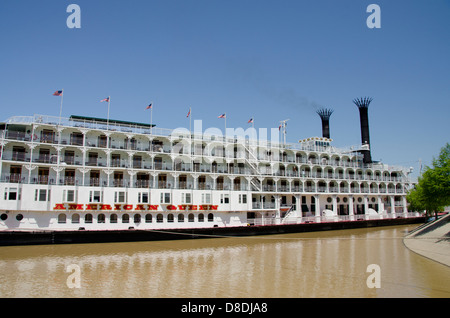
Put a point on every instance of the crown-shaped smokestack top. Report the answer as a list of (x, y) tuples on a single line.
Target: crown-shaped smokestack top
[(363, 105), (363, 102), (325, 114)]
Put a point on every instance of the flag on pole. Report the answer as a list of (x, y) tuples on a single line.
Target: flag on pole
[(149, 106), (222, 116), (250, 121), (189, 112), (105, 100), (59, 93), (279, 127)]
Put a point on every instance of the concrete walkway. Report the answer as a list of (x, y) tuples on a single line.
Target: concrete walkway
[(432, 240)]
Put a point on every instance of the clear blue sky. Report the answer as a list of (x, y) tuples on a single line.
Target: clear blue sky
[(266, 59)]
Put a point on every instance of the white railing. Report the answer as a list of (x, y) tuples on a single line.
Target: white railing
[(257, 152), (138, 128), (327, 219)]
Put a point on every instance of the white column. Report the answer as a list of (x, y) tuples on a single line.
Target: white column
[(350, 207), (392, 198), (214, 177), (335, 209), (155, 183), (175, 180), (277, 207), (317, 204), (366, 205), (85, 170), (32, 146), (132, 173), (195, 177), (298, 205), (380, 205), (405, 205)]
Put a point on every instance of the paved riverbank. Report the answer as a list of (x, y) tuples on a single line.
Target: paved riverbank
[(432, 240)]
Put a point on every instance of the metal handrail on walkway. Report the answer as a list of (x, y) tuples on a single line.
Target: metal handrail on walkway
[(328, 219)]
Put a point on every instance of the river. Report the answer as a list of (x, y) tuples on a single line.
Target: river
[(345, 263)]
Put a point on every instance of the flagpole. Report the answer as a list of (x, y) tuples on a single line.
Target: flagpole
[(225, 134), (60, 108), (151, 119), (190, 120), (283, 126), (107, 120)]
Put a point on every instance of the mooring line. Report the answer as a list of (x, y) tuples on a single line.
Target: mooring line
[(274, 236)]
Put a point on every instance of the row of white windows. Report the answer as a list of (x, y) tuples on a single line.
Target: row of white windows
[(12, 194), (137, 218), (119, 196)]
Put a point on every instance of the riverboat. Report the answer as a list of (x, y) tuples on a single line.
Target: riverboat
[(84, 179)]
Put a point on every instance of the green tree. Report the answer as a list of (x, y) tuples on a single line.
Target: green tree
[(416, 199), (432, 193)]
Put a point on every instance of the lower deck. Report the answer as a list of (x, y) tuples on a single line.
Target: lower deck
[(28, 207), (99, 221)]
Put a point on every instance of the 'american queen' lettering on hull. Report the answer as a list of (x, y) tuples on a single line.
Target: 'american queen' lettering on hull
[(131, 207)]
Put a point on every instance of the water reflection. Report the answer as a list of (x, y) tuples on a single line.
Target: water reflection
[(321, 264)]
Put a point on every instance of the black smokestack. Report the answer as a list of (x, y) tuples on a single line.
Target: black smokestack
[(325, 114), (363, 106)]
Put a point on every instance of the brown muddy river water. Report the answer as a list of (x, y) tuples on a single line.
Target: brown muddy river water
[(345, 263)]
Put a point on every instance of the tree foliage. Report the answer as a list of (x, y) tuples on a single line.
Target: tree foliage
[(432, 193)]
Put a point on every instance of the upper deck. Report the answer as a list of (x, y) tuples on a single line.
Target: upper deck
[(312, 144), (93, 151)]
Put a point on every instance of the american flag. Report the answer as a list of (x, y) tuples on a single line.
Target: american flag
[(189, 112), (149, 106), (105, 100), (58, 93), (250, 121), (221, 116)]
